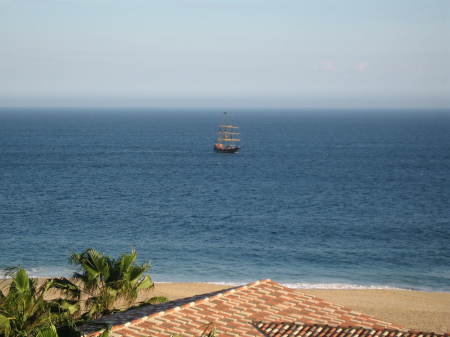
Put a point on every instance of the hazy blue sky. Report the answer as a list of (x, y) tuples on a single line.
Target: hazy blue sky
[(286, 53)]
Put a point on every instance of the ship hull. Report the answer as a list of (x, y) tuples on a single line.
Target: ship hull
[(230, 149)]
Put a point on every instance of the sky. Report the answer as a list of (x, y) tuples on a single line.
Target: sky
[(176, 53)]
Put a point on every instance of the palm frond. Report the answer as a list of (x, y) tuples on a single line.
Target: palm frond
[(156, 300), (64, 285), (48, 332), (60, 305), (5, 325), (145, 283), (21, 282)]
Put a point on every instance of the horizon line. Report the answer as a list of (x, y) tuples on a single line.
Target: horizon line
[(215, 107)]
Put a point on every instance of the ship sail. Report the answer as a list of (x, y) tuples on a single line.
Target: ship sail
[(227, 135)]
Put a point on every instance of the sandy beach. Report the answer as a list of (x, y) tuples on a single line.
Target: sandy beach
[(414, 310)]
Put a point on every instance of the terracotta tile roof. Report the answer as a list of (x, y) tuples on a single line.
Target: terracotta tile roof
[(232, 312), (277, 329)]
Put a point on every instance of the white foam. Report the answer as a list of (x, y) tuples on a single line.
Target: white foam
[(42, 272), (335, 286), (305, 285), (231, 284)]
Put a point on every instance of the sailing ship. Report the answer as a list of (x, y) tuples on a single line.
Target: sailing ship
[(227, 137)]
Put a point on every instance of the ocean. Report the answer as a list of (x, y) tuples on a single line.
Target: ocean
[(334, 199)]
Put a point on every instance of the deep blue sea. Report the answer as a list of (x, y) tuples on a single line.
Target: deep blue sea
[(315, 198)]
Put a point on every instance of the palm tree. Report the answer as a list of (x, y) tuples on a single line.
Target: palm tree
[(104, 280), (23, 310)]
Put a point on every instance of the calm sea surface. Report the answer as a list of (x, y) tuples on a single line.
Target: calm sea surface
[(312, 199)]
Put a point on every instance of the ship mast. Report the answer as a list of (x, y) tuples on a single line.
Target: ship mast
[(227, 132)]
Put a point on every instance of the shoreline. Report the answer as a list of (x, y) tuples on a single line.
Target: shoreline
[(289, 284)]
